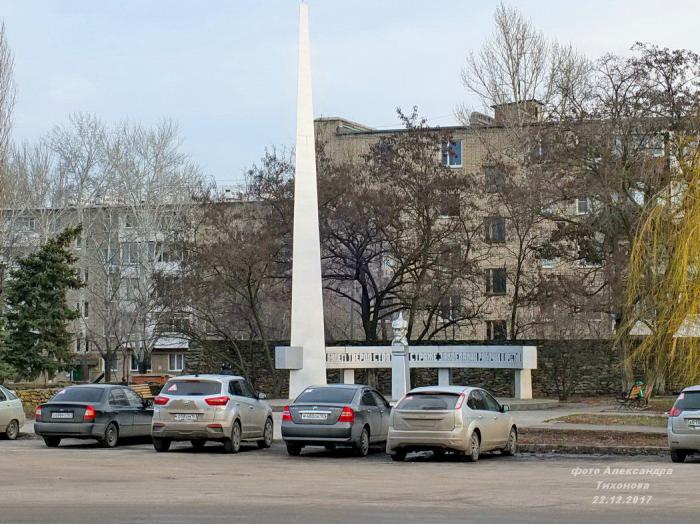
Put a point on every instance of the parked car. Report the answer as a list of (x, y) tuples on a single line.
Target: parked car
[(11, 414), (103, 412), (458, 419), (201, 408), (336, 415), (684, 425)]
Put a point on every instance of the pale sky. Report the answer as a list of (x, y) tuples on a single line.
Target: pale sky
[(226, 70)]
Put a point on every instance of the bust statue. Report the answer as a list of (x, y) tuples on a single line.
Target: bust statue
[(400, 328)]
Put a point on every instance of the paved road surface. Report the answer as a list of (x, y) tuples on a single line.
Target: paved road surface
[(80, 482)]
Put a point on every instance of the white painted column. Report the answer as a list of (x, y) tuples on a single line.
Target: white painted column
[(444, 376), (348, 376), (307, 329), (523, 384)]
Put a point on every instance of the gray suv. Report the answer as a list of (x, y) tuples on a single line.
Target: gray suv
[(221, 408)]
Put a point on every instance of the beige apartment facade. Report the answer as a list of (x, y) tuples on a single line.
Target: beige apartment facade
[(474, 148)]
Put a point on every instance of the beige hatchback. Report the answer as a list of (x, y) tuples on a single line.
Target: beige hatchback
[(11, 414), (459, 419)]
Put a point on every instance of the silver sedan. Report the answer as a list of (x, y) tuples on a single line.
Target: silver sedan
[(684, 424), (11, 414), (336, 415), (460, 419)]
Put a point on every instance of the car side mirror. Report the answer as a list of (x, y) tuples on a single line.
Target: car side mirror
[(262, 396), (505, 408)]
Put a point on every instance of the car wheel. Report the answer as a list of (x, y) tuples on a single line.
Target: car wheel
[(52, 442), (474, 447), (198, 443), (111, 436), (12, 430), (678, 455), (361, 448), (233, 444), (266, 441), (161, 444), (512, 446), (294, 449), (398, 455)]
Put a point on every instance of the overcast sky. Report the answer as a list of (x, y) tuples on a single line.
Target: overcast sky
[(226, 70)]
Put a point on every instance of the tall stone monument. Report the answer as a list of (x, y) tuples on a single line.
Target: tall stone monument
[(307, 333)]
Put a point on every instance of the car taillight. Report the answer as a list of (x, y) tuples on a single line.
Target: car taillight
[(674, 412), (347, 415), (89, 414), (286, 415), (37, 413), (216, 401), (160, 401), (460, 401)]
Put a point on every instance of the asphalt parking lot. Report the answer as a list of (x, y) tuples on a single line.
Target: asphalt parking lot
[(81, 482)]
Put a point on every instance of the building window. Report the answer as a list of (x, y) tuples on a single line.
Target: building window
[(449, 205), (77, 345), (451, 308), (176, 361), (87, 345), (496, 281), (85, 276), (130, 252), (547, 263), (493, 179), (496, 330), (112, 363), (26, 224), (135, 363), (86, 310), (452, 153), (495, 229), (583, 206)]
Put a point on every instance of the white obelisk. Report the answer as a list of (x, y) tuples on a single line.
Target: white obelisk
[(307, 298)]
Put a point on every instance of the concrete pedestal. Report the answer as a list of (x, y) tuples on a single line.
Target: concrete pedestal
[(400, 372)]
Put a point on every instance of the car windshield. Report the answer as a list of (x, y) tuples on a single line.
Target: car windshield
[(329, 395), (79, 395), (688, 401), (195, 388), (428, 401)]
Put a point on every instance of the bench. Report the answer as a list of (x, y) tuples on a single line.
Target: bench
[(635, 398), (143, 390)]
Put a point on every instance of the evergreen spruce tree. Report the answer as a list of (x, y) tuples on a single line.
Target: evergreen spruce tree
[(37, 315)]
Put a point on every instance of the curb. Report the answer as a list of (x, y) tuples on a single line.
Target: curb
[(563, 449)]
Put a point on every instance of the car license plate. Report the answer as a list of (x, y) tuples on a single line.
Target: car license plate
[(694, 422), (314, 416), (185, 417), (61, 415)]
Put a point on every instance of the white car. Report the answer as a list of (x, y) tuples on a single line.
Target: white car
[(11, 414), (684, 425)]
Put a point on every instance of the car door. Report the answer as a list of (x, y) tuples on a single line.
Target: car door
[(121, 411), (142, 414), (246, 408), (259, 406), (368, 405), (384, 414), (484, 419), (5, 410), (500, 420)]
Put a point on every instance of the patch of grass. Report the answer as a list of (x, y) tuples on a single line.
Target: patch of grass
[(612, 420), (575, 437)]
